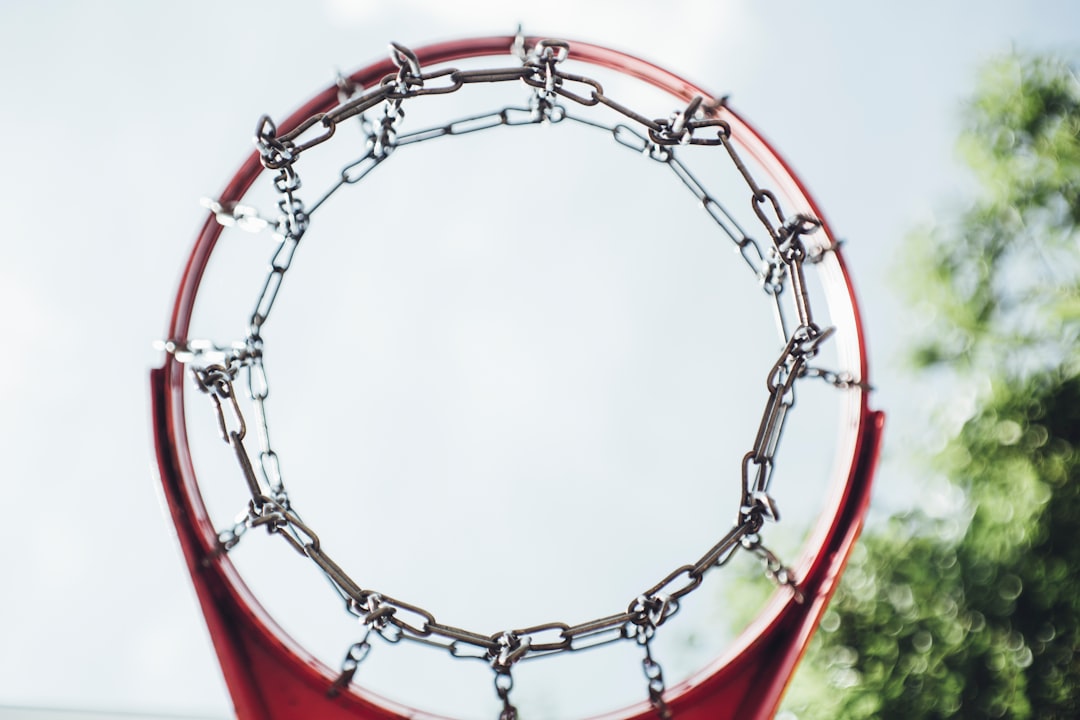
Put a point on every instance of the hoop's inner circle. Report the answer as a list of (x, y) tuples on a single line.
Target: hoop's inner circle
[(513, 376)]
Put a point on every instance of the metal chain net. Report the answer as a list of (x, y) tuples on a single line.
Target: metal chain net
[(217, 369)]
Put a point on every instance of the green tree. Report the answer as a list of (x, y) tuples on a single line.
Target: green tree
[(978, 614)]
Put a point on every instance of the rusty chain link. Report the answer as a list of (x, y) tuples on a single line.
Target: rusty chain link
[(215, 368)]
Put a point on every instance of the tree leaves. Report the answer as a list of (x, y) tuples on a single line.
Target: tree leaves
[(978, 614)]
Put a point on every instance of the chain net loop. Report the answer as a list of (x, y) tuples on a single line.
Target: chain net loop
[(552, 96)]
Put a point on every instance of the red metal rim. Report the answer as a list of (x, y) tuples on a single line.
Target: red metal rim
[(269, 675)]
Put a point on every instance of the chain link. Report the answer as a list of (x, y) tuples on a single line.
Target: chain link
[(355, 655), (775, 570), (654, 674), (504, 683), (215, 369), (842, 380)]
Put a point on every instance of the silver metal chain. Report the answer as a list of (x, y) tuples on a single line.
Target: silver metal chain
[(654, 674), (217, 368)]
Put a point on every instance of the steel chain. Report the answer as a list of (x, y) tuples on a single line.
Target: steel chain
[(654, 674), (504, 683), (355, 655), (216, 368), (775, 570)]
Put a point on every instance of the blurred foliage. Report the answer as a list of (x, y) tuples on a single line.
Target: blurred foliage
[(977, 614)]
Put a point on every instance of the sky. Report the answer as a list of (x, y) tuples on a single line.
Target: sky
[(120, 116)]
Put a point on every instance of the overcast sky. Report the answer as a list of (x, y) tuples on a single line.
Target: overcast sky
[(119, 116)]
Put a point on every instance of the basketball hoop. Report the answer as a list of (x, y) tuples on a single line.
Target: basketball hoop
[(796, 267)]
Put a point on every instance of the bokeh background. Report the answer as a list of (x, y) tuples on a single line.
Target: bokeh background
[(120, 116)]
